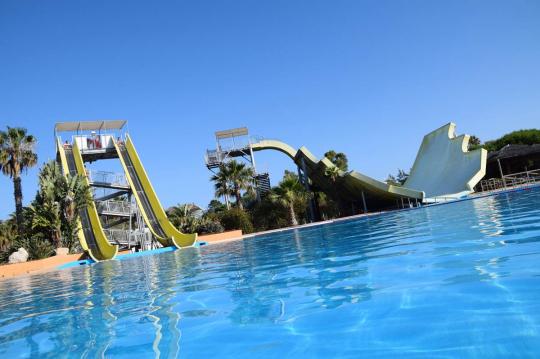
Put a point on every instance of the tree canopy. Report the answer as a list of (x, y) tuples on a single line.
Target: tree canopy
[(520, 137), (339, 159), (397, 180), (17, 154)]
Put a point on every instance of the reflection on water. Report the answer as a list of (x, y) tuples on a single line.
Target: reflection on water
[(397, 284)]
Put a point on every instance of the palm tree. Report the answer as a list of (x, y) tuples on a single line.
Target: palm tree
[(17, 155), (399, 179), (241, 178), (332, 172), (339, 159), (58, 203), (185, 217), (221, 184), (233, 178), (287, 193)]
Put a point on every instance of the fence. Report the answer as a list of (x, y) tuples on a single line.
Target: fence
[(512, 180)]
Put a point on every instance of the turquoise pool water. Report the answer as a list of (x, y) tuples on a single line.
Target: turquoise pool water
[(459, 280)]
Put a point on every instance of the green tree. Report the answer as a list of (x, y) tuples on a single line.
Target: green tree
[(186, 217), (233, 178), (215, 206), (332, 172), (17, 154), (520, 137), (236, 218), (57, 204), (397, 180), (327, 207), (474, 143), (267, 215), (289, 192), (339, 159), (222, 184)]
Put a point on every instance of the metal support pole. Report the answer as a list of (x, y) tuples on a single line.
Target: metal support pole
[(364, 202), (304, 178), (501, 171), (130, 215), (252, 158)]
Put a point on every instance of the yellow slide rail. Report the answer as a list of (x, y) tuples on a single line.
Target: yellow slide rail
[(65, 168), (173, 236), (105, 249)]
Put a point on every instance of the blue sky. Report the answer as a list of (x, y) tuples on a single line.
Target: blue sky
[(368, 78)]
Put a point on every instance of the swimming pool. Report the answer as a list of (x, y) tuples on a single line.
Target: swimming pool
[(457, 280)]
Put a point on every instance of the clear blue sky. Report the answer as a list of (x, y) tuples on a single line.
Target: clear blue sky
[(368, 78)]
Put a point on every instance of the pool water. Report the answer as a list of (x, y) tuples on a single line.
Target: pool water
[(460, 280)]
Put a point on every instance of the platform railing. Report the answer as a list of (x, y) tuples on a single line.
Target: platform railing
[(523, 177), (216, 156), (114, 207), (512, 180), (112, 178), (129, 239), (94, 143)]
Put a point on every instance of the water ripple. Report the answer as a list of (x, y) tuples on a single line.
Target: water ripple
[(459, 280)]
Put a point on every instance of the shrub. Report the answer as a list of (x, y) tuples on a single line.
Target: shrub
[(267, 215), (236, 219), (209, 227), (38, 248)]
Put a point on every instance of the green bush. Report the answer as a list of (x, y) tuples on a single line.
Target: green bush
[(236, 219), (267, 215), (38, 248), (209, 227)]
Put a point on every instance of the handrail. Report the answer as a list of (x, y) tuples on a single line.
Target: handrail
[(112, 178), (511, 180), (111, 206)]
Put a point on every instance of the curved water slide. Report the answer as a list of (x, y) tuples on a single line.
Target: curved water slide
[(153, 213), (90, 233), (444, 166), (348, 186), (444, 169)]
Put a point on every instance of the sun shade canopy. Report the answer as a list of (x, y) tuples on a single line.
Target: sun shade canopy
[(236, 132), (89, 126)]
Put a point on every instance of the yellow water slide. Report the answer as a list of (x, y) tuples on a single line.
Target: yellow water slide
[(350, 186), (65, 169), (91, 234), (147, 200)]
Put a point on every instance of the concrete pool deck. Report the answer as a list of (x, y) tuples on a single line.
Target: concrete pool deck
[(42, 265)]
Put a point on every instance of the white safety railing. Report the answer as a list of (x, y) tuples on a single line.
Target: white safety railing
[(111, 178), (512, 180), (114, 207), (214, 157), (218, 155), (94, 142), (142, 239)]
